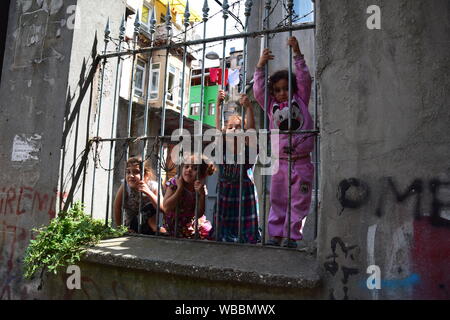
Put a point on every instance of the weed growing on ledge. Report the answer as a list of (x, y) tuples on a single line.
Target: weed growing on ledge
[(64, 241)]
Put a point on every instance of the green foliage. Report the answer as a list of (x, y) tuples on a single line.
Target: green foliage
[(64, 240)]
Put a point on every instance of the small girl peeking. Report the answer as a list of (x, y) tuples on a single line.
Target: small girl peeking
[(229, 180), (134, 186), (302, 144), (181, 191)]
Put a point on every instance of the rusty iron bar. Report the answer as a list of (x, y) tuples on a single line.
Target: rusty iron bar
[(253, 34), (163, 115)]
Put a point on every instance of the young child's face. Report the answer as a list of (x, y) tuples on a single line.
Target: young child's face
[(134, 175), (281, 90), (233, 124), (189, 173)]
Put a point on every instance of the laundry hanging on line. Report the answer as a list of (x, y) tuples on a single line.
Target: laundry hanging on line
[(215, 75), (234, 78)]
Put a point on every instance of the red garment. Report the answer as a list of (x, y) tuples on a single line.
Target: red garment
[(215, 75)]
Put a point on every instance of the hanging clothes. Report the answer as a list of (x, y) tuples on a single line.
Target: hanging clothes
[(215, 75), (234, 78)]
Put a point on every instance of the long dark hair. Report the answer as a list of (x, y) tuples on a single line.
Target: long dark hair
[(279, 75), (134, 161)]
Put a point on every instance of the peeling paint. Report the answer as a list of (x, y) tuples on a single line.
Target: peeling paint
[(26, 148), (31, 37)]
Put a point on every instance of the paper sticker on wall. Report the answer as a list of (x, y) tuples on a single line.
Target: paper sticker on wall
[(31, 38), (26, 147)]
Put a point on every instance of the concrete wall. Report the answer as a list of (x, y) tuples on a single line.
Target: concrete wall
[(32, 106), (168, 269), (384, 97), (92, 26), (40, 84)]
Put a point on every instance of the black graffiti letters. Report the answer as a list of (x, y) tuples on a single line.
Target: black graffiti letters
[(354, 193), (333, 266), (416, 188)]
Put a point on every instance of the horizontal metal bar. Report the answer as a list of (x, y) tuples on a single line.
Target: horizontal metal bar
[(299, 131), (214, 39), (136, 139)]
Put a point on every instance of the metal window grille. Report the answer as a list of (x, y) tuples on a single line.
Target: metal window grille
[(158, 144)]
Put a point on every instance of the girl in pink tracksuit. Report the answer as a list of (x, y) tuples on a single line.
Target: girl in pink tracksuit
[(302, 145)]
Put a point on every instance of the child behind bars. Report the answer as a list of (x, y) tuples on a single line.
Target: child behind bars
[(180, 199), (302, 144), (132, 189)]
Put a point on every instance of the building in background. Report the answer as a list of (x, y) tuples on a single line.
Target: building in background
[(210, 92), (151, 82), (213, 83)]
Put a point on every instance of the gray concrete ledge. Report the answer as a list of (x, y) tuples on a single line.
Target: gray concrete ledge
[(245, 264)]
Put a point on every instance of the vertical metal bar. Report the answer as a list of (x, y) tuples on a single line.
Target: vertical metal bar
[(217, 211), (61, 186), (224, 61), (316, 137), (225, 8), (147, 102), (248, 8), (63, 154), (202, 107), (114, 119), (137, 26), (290, 5), (163, 114), (130, 108), (268, 6), (122, 209), (106, 39), (187, 15)]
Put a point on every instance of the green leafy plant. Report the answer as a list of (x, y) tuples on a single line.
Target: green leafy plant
[(64, 241)]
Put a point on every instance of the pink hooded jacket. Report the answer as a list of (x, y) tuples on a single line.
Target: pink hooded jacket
[(278, 113)]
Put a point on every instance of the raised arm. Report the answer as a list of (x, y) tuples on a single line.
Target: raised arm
[(151, 192), (302, 75), (172, 197), (249, 115), (259, 77), (220, 99)]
